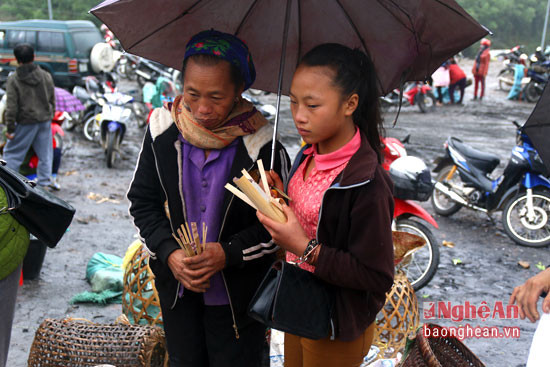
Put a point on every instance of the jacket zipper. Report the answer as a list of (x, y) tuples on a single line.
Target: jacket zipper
[(223, 275), (169, 219), (332, 337)]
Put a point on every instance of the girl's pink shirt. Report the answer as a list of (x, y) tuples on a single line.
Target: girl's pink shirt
[(307, 195)]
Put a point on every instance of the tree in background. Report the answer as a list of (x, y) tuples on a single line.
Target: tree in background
[(513, 22), (38, 9)]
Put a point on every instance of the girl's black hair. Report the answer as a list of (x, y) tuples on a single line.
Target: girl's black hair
[(354, 73), (210, 60)]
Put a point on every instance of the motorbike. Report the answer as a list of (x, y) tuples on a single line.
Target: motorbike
[(522, 192), (412, 183), (506, 74), (150, 71), (414, 93), (537, 77), (126, 66), (112, 122), (93, 97), (267, 110)]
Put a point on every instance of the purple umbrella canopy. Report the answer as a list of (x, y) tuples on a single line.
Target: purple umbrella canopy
[(407, 40), (66, 102)]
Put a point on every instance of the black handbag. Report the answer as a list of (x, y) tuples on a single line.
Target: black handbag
[(295, 301), (43, 214)]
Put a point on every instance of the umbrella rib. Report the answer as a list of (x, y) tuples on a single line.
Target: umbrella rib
[(359, 36), (299, 33), (166, 25), (414, 32), (245, 17)]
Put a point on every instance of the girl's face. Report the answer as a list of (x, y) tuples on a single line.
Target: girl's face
[(321, 114), (209, 92)]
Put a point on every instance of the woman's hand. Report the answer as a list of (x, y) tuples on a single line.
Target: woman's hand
[(290, 235)]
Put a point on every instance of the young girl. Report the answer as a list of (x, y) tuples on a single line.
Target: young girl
[(339, 219)]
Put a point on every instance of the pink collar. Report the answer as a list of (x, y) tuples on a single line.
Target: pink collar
[(324, 162)]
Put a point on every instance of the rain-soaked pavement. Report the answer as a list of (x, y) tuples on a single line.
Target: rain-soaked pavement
[(487, 274)]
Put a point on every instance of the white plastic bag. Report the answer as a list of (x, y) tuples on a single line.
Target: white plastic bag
[(539, 354)]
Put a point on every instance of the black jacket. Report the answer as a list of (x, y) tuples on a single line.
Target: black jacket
[(354, 228), (248, 247)]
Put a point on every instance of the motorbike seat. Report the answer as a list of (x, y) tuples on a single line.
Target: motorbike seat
[(486, 162)]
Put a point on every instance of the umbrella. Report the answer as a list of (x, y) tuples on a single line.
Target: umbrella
[(537, 127), (407, 40), (65, 101)]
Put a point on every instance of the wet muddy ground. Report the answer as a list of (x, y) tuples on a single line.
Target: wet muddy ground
[(488, 272)]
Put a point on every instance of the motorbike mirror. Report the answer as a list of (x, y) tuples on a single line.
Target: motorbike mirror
[(516, 124), (406, 139)]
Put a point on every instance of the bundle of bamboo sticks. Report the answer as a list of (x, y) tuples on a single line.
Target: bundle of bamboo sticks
[(188, 239), (258, 197)]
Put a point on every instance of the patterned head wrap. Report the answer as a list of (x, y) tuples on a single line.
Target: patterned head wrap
[(226, 47)]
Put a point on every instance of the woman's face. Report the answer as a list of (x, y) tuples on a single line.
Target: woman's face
[(321, 114), (209, 92)]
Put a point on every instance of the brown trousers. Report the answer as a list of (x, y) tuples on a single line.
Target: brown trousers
[(303, 352)]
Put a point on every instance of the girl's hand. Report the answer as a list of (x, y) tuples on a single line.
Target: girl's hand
[(273, 180), (290, 235)]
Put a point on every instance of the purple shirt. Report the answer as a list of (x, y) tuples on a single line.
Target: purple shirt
[(203, 181)]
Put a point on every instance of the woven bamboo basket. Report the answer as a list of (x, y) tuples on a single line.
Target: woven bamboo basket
[(140, 299), (78, 342), (398, 318), (439, 352)]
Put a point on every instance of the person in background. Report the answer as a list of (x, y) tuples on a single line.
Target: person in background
[(339, 219), (481, 67), (14, 242), (441, 79), (458, 79), (30, 108), (191, 149)]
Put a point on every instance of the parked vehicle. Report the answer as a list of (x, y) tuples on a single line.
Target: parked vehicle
[(506, 74), (112, 121), (150, 71), (537, 77), (412, 182), (522, 192), (63, 48), (414, 93), (126, 66), (267, 110)]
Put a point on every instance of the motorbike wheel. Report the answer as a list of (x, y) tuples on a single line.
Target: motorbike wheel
[(92, 130), (112, 152), (506, 79), (442, 204), (531, 93), (426, 102), (525, 231), (421, 265)]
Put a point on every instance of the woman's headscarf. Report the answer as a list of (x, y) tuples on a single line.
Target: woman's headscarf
[(243, 119), (227, 47)]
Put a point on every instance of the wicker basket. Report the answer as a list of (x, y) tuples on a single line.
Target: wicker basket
[(140, 299), (439, 352), (78, 342), (398, 318)]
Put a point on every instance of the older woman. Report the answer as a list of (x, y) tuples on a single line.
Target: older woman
[(190, 151)]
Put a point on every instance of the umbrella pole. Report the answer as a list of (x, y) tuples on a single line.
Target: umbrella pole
[(280, 86)]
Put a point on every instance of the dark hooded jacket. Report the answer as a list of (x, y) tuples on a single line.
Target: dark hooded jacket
[(30, 96), (356, 257)]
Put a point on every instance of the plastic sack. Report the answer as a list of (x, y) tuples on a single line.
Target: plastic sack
[(105, 272), (539, 354)]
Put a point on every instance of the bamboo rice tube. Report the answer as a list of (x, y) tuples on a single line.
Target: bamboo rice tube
[(259, 198)]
